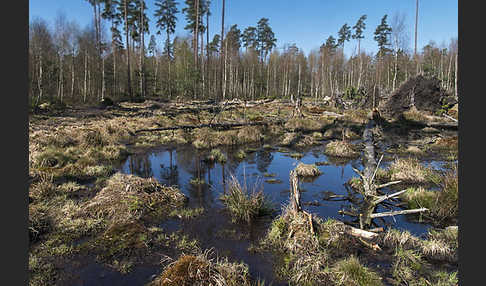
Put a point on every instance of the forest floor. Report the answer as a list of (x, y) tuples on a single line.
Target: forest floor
[(81, 208)]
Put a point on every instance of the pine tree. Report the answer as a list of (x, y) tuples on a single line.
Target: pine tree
[(166, 20), (344, 35), (382, 37), (358, 30), (265, 38), (249, 38)]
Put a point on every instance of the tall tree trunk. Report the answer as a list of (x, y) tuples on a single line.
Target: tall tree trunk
[(196, 35), (85, 90), (457, 95), (103, 78), (114, 72), (142, 52), (155, 74), (39, 82), (128, 50), (72, 75), (416, 24), (207, 51), (224, 68), (222, 52)]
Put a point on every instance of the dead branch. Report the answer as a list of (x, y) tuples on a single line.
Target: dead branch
[(388, 184), (398, 212), (450, 117), (386, 197)]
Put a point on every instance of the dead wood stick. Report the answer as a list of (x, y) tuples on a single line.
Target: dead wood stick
[(376, 169), (359, 232), (309, 216), (386, 197), (450, 117), (358, 172), (371, 245), (398, 212), (388, 184), (376, 229), (343, 212)]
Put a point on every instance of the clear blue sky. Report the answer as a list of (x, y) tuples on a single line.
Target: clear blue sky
[(306, 23)]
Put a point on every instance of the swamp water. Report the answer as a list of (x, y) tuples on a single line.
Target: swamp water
[(266, 168)]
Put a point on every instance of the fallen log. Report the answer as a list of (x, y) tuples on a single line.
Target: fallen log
[(359, 232), (213, 125), (398, 212)]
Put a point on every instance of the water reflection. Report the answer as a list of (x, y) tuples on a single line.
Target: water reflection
[(180, 166)]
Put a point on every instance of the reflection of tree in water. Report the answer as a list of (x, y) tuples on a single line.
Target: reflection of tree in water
[(140, 165), (263, 160), (190, 160), (201, 195), (170, 174)]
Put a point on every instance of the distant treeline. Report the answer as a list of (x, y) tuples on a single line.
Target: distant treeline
[(68, 63)]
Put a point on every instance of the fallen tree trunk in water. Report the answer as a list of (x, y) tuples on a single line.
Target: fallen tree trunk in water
[(214, 125)]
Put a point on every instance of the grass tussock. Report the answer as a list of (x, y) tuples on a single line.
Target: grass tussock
[(305, 124), (240, 154), (202, 270), (249, 134), (356, 116), (350, 271), (415, 115), (441, 244), (244, 204), (186, 213), (204, 138), (307, 257), (217, 156), (290, 139), (127, 197), (409, 170), (307, 170), (442, 203), (394, 238), (340, 148)]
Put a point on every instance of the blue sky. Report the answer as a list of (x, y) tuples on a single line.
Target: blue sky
[(307, 23)]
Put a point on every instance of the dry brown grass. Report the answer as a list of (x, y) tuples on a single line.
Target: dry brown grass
[(350, 271), (249, 134), (202, 270), (307, 170), (415, 115), (409, 170), (305, 124), (290, 138), (127, 197), (340, 148)]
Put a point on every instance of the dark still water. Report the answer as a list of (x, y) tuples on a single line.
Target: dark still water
[(320, 195), (323, 195)]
